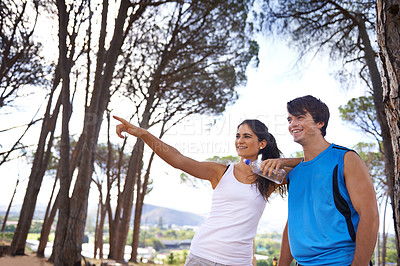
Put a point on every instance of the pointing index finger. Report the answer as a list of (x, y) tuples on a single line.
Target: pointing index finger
[(123, 121)]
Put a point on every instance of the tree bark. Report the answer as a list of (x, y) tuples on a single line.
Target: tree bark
[(125, 204), (47, 222), (388, 36), (61, 258), (9, 207), (113, 222), (98, 240), (370, 58), (122, 226), (141, 193), (104, 206), (93, 119), (384, 234), (46, 228), (38, 170)]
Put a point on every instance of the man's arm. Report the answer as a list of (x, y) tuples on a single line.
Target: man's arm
[(285, 257), (270, 165), (363, 198)]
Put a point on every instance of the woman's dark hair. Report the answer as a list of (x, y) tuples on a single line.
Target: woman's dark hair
[(268, 152)]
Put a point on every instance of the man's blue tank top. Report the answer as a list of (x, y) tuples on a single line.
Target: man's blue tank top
[(322, 222)]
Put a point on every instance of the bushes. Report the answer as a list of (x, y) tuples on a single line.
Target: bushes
[(6, 237), (178, 257)]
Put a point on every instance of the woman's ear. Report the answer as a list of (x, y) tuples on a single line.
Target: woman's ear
[(263, 144)]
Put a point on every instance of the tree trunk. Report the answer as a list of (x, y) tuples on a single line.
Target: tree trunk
[(384, 235), (98, 241), (377, 87), (9, 207), (93, 118), (38, 170), (122, 226), (141, 193), (388, 36), (100, 230), (96, 230), (46, 228), (113, 222), (125, 203), (136, 222), (377, 251), (47, 222), (104, 206), (61, 258), (135, 163)]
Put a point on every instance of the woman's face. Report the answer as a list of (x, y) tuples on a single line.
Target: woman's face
[(247, 144)]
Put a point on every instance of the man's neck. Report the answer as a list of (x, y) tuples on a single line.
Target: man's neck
[(313, 148)]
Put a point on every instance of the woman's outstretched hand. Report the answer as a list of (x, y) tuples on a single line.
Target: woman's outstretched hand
[(127, 127)]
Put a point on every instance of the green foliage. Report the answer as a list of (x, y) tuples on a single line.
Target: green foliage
[(36, 227), (391, 251), (10, 228), (171, 259), (160, 222), (190, 180), (184, 253), (6, 236), (153, 236), (273, 236), (33, 236), (373, 159), (155, 243), (21, 63), (327, 27), (391, 256), (102, 152), (360, 113), (224, 159), (176, 257), (268, 247), (190, 56), (171, 234), (297, 154), (268, 263), (55, 155), (268, 244), (351, 111)]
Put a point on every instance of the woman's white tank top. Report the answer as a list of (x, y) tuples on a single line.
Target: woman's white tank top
[(227, 235)]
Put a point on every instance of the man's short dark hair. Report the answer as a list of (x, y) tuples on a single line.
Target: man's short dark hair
[(318, 110)]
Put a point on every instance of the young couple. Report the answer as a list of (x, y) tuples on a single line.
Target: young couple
[(333, 214)]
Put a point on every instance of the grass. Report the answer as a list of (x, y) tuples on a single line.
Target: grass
[(36, 236)]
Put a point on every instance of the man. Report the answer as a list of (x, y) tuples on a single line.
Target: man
[(333, 215)]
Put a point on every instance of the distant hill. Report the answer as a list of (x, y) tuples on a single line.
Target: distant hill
[(151, 215)]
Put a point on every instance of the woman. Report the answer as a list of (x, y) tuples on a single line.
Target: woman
[(239, 197)]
